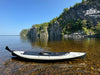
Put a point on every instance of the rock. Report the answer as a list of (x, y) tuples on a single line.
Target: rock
[(55, 31), (76, 35)]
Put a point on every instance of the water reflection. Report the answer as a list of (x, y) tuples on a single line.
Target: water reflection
[(15, 66), (23, 39), (89, 45)]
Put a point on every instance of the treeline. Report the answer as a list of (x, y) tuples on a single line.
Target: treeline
[(83, 25)]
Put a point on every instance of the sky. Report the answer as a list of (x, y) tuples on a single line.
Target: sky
[(16, 15)]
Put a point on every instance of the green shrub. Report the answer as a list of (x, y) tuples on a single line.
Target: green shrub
[(66, 9), (98, 28), (62, 34), (24, 32)]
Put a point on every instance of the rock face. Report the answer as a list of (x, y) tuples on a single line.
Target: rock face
[(44, 34), (54, 31), (37, 33), (79, 11), (88, 10), (33, 33)]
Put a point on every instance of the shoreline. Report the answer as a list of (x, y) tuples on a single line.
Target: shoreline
[(9, 35)]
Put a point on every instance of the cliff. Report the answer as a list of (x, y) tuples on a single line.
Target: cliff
[(81, 18), (38, 32)]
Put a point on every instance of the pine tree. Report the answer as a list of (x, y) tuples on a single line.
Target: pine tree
[(83, 1)]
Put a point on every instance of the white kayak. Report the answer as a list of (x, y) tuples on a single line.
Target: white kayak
[(47, 55)]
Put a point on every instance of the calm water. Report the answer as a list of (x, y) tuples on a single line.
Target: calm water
[(13, 66)]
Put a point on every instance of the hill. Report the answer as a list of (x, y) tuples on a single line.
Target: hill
[(81, 20)]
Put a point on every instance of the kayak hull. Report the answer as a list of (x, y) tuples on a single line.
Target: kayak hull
[(47, 55), (67, 55)]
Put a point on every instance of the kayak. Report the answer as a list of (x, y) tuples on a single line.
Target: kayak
[(46, 55)]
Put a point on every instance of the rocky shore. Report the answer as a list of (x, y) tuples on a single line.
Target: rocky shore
[(77, 35)]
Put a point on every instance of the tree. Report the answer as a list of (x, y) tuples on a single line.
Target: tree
[(24, 32), (78, 25), (53, 21), (83, 1), (84, 23), (66, 9), (98, 28), (89, 24)]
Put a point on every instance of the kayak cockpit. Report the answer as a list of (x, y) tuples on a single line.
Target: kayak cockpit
[(45, 53)]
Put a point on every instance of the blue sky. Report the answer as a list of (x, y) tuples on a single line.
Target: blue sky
[(16, 15)]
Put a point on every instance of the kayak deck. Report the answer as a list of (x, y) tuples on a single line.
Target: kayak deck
[(45, 53)]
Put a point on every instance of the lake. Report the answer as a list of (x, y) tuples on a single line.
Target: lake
[(10, 65)]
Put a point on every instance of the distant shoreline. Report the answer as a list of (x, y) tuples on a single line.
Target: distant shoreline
[(9, 35)]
